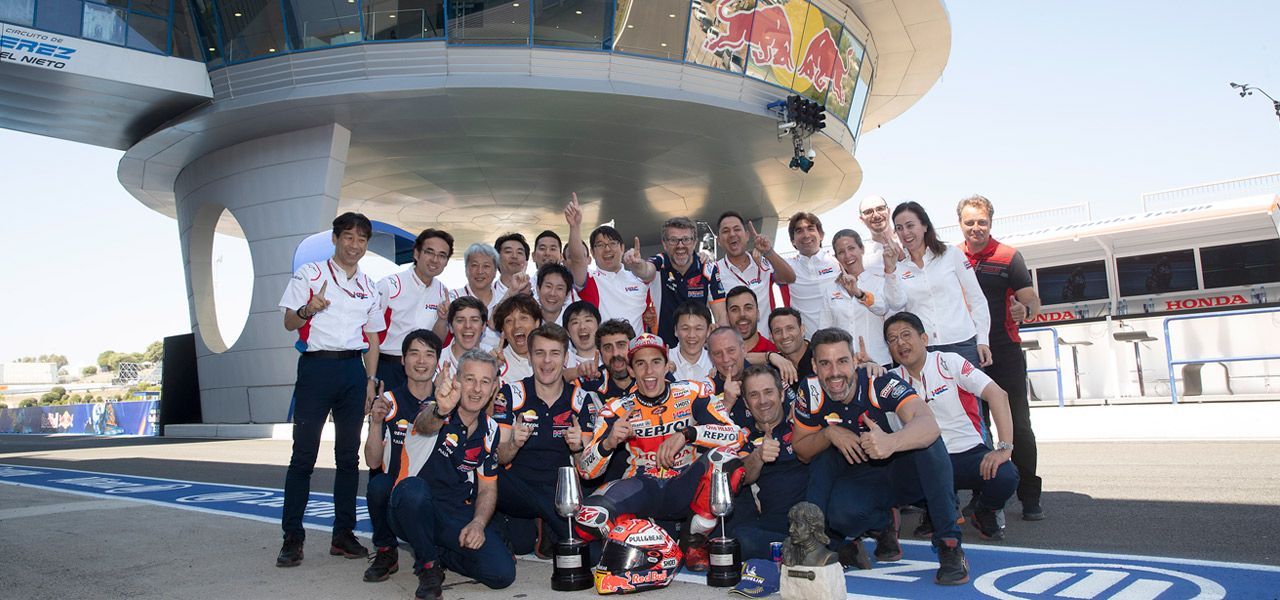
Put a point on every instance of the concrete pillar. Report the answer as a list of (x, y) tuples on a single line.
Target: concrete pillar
[(280, 189)]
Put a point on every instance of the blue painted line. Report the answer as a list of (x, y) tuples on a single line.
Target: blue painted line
[(996, 571)]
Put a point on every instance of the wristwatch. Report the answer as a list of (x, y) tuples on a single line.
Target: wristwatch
[(1004, 446)]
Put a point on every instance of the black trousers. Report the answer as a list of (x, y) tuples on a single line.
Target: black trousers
[(1009, 371)]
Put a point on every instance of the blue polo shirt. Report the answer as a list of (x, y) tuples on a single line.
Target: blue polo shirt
[(459, 457), (545, 451), (875, 398), (783, 482), (675, 289)]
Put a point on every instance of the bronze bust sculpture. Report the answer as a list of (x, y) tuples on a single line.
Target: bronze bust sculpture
[(807, 544)]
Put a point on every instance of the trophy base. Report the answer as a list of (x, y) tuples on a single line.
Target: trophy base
[(726, 562), (571, 572)]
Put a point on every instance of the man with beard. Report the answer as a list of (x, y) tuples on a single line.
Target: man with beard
[(467, 317), (393, 415), (515, 317), (411, 300), (787, 329), (873, 444), (816, 269), (615, 381), (535, 415), (780, 479), (677, 276), (740, 268), (673, 436)]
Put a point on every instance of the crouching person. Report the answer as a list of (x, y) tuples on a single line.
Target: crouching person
[(443, 508)]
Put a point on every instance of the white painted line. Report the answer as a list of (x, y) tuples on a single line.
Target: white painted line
[(63, 507), (1159, 559)]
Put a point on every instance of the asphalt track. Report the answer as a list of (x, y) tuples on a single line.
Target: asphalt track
[(1217, 501)]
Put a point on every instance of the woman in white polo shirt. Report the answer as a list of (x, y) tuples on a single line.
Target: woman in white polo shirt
[(940, 287), (861, 298)]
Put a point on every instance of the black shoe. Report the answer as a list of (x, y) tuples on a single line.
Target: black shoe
[(887, 547), (290, 553), (385, 562), (953, 569), (852, 554), (925, 528), (1031, 511), (430, 579), (345, 544), (988, 527)]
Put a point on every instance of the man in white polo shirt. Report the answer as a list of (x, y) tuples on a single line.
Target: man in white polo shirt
[(333, 306), (874, 212), (411, 300), (815, 268), (952, 385), (740, 268), (618, 292)]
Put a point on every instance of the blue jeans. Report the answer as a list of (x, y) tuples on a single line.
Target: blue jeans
[(324, 386), (926, 474), (520, 499), (755, 533), (854, 497), (378, 496), (432, 529), (992, 493)]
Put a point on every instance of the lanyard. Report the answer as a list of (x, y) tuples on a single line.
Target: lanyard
[(362, 295)]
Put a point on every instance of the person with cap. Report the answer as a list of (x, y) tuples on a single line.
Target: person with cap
[(1011, 299), (672, 435), (333, 306), (411, 300)]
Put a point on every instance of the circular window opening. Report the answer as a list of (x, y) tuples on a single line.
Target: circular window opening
[(222, 278)]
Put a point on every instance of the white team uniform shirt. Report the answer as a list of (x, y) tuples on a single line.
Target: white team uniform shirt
[(619, 295), (490, 337), (758, 276), (951, 385), (517, 366), (946, 296), (408, 304), (451, 355), (353, 307), (815, 277), (691, 371), (862, 318), (572, 359)]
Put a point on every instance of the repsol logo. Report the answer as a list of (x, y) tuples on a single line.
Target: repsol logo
[(659, 430), (1210, 302)]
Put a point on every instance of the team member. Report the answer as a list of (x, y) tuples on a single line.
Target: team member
[(444, 512), (1011, 299), (862, 298), (618, 292), (554, 284), (740, 268), (515, 317), (676, 276), (816, 270), (612, 340), (882, 247), (672, 436), (770, 462), (384, 452), (481, 262), (546, 249), (333, 306), (513, 264), (941, 288), (467, 317), (689, 359), (535, 415), (411, 300), (952, 386), (743, 310), (581, 319), (787, 328), (873, 444), (729, 359)]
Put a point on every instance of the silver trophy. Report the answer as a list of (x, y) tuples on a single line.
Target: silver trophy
[(569, 572), (725, 553)]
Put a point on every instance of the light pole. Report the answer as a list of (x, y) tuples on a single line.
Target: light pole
[(1248, 90)]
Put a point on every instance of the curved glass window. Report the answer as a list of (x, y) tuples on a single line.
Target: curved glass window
[(60, 16), (18, 12), (251, 29), (390, 20), (720, 34), (651, 27), (319, 24), (572, 23), (488, 22), (104, 23)]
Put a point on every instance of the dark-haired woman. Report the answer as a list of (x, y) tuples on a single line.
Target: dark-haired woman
[(940, 287)]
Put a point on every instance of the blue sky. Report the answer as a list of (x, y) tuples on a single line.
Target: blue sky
[(1042, 105)]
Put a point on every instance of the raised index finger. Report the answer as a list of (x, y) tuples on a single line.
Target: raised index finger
[(637, 245), (323, 286)]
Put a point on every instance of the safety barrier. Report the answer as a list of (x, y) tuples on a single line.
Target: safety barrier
[(1168, 345), (1057, 358)]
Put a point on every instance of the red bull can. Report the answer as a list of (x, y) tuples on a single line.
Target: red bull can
[(775, 552)]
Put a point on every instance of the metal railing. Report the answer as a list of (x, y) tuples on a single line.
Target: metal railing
[(1057, 358), (1168, 345), (1210, 192)]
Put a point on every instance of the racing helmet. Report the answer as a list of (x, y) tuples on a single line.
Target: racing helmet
[(638, 555)]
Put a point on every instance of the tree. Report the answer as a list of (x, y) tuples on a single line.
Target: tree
[(154, 352), (29, 402), (104, 359), (89, 371)]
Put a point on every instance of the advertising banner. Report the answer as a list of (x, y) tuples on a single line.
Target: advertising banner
[(104, 418)]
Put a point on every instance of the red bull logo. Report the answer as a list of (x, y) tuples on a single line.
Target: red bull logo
[(766, 29), (608, 583), (824, 64)]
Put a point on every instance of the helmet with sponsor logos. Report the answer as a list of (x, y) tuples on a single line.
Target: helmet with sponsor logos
[(638, 555)]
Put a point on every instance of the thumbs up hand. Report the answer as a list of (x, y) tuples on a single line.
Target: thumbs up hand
[(1018, 311), (875, 442)]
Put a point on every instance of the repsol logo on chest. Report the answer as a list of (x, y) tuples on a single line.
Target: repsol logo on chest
[(658, 430)]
